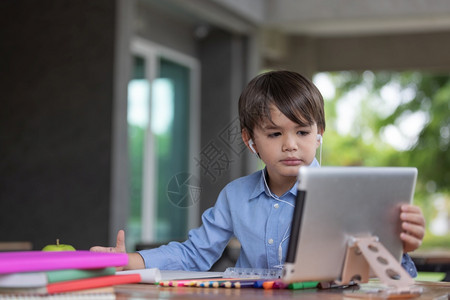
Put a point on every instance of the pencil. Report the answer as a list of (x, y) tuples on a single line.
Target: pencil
[(238, 283), (244, 284), (303, 285), (226, 284), (278, 284), (259, 283), (267, 285)]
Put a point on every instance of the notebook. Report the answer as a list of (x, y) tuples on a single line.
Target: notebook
[(336, 203), (32, 261), (85, 284), (43, 278)]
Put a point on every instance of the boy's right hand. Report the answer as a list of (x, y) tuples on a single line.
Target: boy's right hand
[(135, 260)]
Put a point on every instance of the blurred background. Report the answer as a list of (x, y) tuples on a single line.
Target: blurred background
[(123, 113)]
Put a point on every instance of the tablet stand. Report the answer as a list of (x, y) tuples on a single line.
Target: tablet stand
[(364, 253)]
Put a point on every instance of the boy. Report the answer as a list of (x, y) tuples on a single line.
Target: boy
[(282, 121)]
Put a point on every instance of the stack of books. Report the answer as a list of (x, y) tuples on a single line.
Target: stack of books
[(41, 273)]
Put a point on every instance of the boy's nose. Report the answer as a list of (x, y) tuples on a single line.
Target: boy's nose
[(289, 144)]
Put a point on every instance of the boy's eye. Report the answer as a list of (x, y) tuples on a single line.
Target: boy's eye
[(274, 134), (302, 133)]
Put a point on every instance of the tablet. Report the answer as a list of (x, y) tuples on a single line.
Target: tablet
[(337, 203)]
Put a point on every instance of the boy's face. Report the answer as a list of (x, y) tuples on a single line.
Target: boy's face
[(285, 146)]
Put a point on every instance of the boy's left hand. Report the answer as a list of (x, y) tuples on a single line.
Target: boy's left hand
[(413, 226)]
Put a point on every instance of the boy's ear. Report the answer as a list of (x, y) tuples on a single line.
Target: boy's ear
[(247, 140), (319, 138)]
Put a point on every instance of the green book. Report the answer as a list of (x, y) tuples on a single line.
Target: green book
[(72, 274)]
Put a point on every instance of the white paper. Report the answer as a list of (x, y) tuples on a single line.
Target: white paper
[(151, 275)]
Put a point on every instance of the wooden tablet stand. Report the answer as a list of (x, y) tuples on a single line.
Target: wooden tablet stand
[(364, 253)]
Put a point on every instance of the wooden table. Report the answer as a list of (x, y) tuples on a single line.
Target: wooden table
[(437, 291)]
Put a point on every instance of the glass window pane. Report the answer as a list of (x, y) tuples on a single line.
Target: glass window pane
[(170, 125), (137, 116), (158, 129)]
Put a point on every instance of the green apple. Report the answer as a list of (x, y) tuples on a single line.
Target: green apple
[(58, 247)]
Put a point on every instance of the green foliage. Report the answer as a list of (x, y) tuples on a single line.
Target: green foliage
[(435, 242)]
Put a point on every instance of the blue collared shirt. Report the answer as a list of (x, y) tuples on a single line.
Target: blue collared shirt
[(245, 210)]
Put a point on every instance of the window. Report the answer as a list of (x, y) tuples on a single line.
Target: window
[(163, 132)]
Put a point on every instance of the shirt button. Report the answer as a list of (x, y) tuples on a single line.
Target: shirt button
[(276, 205), (270, 241)]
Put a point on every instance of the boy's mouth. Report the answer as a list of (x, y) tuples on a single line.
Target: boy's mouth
[(292, 161)]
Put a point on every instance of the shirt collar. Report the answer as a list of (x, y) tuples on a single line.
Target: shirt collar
[(314, 164), (260, 187)]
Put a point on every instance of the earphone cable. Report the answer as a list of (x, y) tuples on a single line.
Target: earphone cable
[(320, 152), (270, 193)]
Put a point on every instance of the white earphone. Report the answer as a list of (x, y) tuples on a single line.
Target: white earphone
[(250, 144), (320, 139)]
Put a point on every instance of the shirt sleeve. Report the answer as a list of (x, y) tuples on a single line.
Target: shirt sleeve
[(408, 265), (203, 247)]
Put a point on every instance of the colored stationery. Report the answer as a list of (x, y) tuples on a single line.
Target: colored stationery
[(32, 261), (259, 283), (268, 285), (238, 284), (208, 283), (40, 279), (227, 283), (303, 285), (278, 284), (186, 282)]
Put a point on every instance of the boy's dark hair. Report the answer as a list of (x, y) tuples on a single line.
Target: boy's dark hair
[(293, 94)]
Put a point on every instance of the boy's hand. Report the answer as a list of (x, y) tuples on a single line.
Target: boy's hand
[(413, 226), (120, 245), (135, 260)]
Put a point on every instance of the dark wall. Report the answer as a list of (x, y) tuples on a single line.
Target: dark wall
[(223, 76), (156, 21), (56, 85)]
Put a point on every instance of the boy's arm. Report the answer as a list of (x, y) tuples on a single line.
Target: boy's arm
[(135, 260), (203, 247), (413, 226)]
